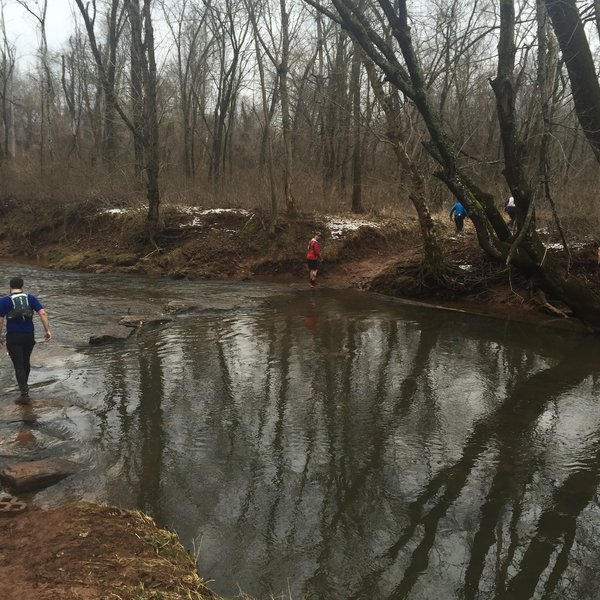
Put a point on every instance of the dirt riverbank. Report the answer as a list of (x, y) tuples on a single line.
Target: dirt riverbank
[(83, 551), (366, 253)]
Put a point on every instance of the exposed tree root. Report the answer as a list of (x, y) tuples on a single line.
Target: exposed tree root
[(425, 280)]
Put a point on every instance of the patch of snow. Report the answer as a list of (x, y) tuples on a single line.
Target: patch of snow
[(195, 222), (198, 213), (196, 210), (237, 211), (113, 211), (559, 246), (189, 210), (339, 225)]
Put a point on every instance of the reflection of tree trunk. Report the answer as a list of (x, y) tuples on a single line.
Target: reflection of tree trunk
[(352, 478), (556, 528), (282, 396), (151, 430), (516, 416)]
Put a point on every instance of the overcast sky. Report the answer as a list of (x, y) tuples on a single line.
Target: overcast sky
[(21, 27)]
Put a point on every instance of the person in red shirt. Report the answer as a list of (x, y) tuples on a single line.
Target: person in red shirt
[(313, 258)]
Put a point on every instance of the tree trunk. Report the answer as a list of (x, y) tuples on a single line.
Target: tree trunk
[(580, 66), (357, 204), (288, 169), (432, 250), (152, 161), (136, 71)]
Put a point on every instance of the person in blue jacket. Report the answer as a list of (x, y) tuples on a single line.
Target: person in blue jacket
[(18, 308), (459, 213)]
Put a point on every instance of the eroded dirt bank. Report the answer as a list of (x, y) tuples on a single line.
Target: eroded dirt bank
[(84, 551), (372, 254)]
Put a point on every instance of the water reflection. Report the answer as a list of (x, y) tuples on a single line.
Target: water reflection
[(334, 445)]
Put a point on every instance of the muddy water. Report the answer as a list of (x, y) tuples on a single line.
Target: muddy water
[(328, 444)]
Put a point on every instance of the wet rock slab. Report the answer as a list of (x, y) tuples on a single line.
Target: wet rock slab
[(37, 474), (110, 334), (39, 407), (179, 307), (25, 443), (138, 321)]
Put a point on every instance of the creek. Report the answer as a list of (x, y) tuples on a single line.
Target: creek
[(326, 444)]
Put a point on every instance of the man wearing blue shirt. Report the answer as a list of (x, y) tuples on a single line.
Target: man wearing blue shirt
[(459, 212), (18, 308)]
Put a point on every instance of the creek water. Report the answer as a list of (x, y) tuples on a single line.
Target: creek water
[(324, 443)]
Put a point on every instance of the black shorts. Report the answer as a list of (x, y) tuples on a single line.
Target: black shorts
[(312, 264)]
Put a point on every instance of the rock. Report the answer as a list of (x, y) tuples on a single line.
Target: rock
[(177, 306), (138, 321), (110, 334), (37, 474), (9, 505), (25, 437), (126, 260)]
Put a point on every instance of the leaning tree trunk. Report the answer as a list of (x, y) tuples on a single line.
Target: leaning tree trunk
[(580, 66), (433, 252)]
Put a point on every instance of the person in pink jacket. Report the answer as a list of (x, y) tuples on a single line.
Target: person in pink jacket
[(313, 258)]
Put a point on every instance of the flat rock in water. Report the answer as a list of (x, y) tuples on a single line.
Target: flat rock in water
[(144, 320), (37, 474), (176, 306), (26, 442), (110, 334)]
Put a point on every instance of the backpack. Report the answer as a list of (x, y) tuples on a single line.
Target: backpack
[(21, 307)]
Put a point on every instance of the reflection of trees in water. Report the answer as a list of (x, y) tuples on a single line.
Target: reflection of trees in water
[(303, 431), (509, 428), (115, 422), (152, 431)]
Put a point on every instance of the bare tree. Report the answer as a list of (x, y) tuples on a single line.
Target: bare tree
[(38, 10), (192, 47), (106, 65), (268, 138), (146, 130), (7, 68), (357, 163), (145, 133), (230, 28), (72, 86)]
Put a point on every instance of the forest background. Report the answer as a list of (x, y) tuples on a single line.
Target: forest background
[(298, 107)]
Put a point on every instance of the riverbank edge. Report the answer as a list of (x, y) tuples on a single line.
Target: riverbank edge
[(83, 550), (377, 255)]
